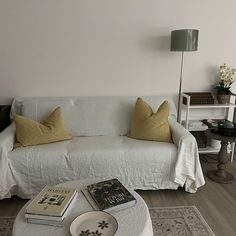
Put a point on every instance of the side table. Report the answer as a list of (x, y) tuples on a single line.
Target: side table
[(221, 175)]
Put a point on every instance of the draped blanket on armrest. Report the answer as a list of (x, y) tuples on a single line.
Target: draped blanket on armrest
[(7, 138), (188, 171)]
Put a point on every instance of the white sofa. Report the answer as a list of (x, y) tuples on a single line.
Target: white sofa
[(99, 148)]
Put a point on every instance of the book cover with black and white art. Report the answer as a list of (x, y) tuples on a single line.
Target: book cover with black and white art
[(110, 193)]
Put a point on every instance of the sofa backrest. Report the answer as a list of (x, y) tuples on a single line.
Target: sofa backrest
[(88, 116)]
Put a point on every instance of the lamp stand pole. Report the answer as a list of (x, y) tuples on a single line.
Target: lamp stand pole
[(180, 87)]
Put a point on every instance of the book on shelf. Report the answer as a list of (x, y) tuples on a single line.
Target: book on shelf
[(51, 201), (49, 218), (212, 123), (109, 195), (195, 125)]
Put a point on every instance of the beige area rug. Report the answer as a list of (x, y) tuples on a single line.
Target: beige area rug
[(167, 221), (6, 224), (179, 221)]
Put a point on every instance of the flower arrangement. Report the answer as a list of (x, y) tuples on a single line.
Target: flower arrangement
[(226, 78)]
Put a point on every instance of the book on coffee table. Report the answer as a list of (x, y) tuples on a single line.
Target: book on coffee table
[(46, 222), (51, 201), (109, 195), (51, 219)]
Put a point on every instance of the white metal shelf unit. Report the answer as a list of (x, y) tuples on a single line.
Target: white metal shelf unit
[(188, 107)]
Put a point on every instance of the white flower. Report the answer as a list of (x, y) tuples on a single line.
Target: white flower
[(227, 74)]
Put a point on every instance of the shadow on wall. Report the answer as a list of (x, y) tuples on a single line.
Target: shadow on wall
[(212, 73), (156, 43)]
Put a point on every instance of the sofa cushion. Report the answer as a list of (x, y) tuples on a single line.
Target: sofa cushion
[(148, 125), (88, 116), (135, 162), (30, 132)]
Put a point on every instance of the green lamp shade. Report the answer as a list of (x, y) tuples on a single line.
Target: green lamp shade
[(184, 40)]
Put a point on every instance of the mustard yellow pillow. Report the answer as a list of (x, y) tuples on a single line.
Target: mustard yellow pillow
[(30, 132), (148, 125)]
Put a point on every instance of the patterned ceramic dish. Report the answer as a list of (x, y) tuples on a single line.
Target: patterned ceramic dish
[(94, 223)]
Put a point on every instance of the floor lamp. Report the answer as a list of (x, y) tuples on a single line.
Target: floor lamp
[(184, 40)]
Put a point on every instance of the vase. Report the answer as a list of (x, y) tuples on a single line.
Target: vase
[(223, 98)]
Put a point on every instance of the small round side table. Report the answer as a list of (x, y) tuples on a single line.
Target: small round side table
[(221, 175)]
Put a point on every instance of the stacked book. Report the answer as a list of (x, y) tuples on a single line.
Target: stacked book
[(51, 206), (195, 125), (109, 195)]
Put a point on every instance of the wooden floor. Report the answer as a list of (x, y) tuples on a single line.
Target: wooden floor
[(216, 202)]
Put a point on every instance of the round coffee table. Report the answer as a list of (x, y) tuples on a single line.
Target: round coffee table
[(134, 220), (221, 175)]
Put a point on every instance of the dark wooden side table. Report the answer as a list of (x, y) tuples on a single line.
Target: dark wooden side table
[(221, 175)]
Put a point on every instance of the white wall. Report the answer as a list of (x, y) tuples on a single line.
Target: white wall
[(110, 47)]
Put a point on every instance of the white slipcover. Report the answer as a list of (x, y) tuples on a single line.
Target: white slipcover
[(88, 116), (97, 150)]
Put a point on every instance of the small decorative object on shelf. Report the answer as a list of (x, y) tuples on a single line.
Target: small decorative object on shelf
[(226, 78), (198, 98), (223, 98), (212, 123)]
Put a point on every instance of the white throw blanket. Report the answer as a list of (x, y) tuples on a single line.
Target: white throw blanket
[(188, 169), (185, 170)]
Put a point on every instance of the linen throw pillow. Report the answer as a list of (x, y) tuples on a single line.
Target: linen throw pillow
[(30, 132), (148, 125)]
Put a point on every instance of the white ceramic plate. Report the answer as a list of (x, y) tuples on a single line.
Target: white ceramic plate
[(94, 223)]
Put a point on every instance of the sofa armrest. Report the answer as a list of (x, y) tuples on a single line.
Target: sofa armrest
[(7, 139), (188, 171)]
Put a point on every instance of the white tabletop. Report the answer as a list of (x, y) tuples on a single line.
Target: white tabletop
[(133, 221)]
